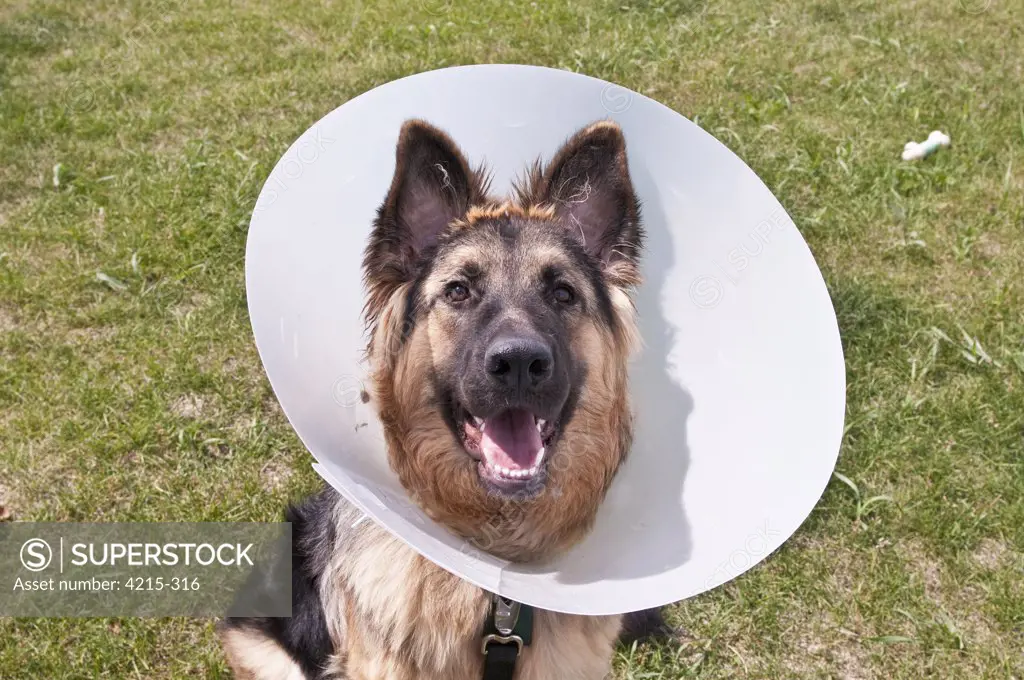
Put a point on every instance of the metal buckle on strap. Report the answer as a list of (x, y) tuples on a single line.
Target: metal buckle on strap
[(505, 618), (502, 639), (506, 614)]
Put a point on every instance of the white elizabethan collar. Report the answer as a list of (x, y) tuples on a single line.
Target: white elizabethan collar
[(739, 390)]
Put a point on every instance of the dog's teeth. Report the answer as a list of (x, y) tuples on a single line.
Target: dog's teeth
[(509, 473), (479, 422), (540, 424)]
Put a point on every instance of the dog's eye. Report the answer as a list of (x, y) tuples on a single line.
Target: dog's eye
[(564, 294), (457, 292)]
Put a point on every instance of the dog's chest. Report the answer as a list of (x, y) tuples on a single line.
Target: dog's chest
[(406, 618)]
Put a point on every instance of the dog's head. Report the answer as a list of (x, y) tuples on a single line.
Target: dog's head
[(500, 335)]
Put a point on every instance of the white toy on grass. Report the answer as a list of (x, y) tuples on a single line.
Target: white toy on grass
[(916, 150)]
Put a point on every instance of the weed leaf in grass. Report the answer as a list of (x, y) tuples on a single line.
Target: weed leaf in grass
[(110, 281), (892, 639)]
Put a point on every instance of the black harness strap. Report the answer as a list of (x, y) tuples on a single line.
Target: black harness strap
[(508, 629), (500, 662)]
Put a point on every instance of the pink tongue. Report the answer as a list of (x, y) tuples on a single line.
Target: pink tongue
[(511, 440)]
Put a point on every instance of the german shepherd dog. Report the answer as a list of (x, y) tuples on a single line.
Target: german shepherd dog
[(499, 337)]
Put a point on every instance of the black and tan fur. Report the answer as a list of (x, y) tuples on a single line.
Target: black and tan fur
[(451, 273)]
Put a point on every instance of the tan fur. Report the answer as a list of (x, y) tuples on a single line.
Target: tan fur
[(478, 213), (625, 313), (416, 621), (253, 657), (388, 334)]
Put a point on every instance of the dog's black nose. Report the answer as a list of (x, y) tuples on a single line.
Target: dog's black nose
[(519, 363)]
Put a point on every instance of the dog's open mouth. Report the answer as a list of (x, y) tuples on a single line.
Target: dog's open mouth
[(510, 445)]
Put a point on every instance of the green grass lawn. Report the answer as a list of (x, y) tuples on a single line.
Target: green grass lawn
[(130, 388)]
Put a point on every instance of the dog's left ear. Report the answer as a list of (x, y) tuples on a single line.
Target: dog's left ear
[(432, 186), (588, 184)]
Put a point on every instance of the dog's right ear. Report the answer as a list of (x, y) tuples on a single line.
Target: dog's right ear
[(432, 186)]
